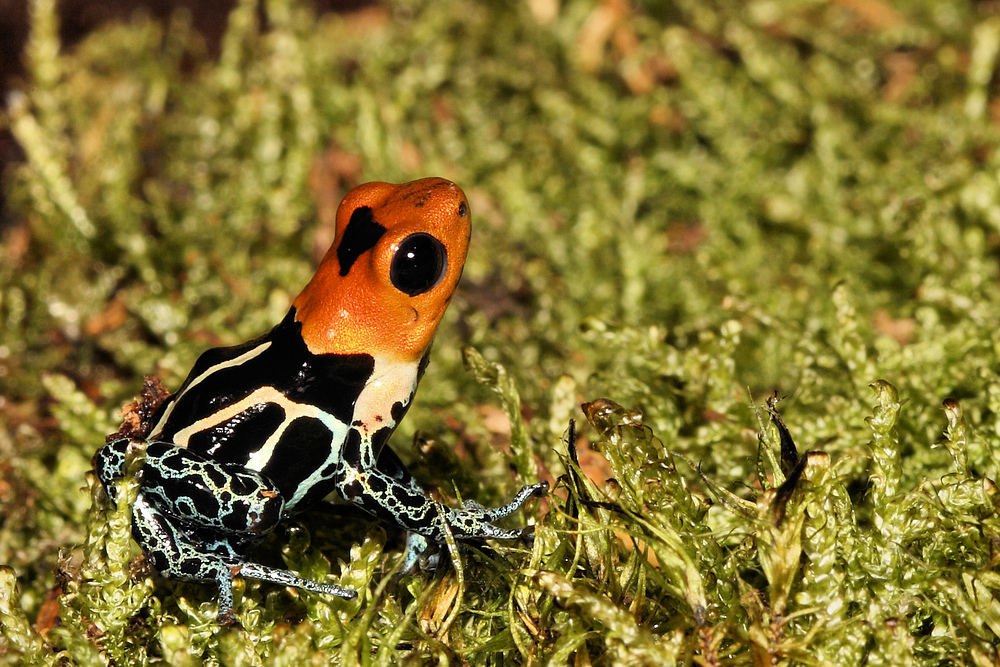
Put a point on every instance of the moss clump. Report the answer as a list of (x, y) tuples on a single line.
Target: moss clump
[(673, 202)]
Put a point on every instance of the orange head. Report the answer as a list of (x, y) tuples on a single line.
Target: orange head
[(393, 267)]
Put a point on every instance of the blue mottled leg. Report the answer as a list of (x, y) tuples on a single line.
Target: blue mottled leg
[(286, 578), (176, 556)]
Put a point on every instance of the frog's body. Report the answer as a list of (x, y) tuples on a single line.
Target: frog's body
[(273, 425)]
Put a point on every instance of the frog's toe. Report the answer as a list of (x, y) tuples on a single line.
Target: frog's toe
[(286, 578), (526, 492)]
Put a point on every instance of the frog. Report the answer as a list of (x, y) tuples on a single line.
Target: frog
[(265, 429)]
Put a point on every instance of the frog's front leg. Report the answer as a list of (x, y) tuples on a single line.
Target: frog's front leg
[(196, 518), (388, 491)]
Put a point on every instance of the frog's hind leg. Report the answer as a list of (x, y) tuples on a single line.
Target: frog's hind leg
[(176, 555)]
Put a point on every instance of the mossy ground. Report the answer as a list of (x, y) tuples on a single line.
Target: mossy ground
[(679, 206)]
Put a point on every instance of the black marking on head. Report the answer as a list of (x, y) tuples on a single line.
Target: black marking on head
[(419, 198), (398, 410), (360, 235), (463, 210), (304, 443)]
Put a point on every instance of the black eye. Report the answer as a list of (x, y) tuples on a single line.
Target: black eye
[(418, 265)]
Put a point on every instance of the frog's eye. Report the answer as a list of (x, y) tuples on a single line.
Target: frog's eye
[(418, 265)]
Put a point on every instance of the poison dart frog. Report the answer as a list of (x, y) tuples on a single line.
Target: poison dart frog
[(263, 429)]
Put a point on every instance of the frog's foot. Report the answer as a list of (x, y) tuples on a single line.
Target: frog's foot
[(476, 521), (421, 553)]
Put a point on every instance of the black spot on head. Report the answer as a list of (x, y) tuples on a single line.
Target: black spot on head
[(398, 411), (361, 234), (463, 210), (419, 197)]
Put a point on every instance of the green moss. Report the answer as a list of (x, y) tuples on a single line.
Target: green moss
[(673, 203)]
